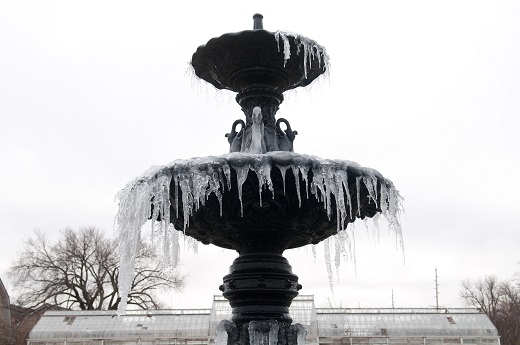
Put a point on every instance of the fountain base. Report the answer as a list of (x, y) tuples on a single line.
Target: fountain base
[(260, 333), (260, 286)]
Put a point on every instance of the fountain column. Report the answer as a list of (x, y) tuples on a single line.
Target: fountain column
[(268, 100), (260, 286)]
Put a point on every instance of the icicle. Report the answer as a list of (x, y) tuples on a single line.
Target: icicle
[(283, 171), (263, 332), (222, 335), (326, 247), (327, 187), (338, 249), (134, 211), (321, 182), (187, 200), (370, 182), (349, 198), (358, 195), (375, 226), (341, 178), (311, 50), (174, 243), (343, 246), (297, 184), (353, 241), (262, 169), (273, 332), (241, 178), (195, 246), (304, 170), (286, 45), (301, 333), (176, 201), (365, 223)]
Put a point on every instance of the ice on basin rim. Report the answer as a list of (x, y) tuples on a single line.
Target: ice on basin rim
[(197, 178)]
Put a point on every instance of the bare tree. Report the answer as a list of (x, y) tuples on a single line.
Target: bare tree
[(500, 301), (486, 294), (81, 271), (511, 313)]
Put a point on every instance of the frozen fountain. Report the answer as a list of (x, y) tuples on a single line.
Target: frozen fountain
[(259, 199)]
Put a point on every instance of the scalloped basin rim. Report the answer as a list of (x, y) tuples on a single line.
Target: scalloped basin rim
[(280, 158), (222, 59)]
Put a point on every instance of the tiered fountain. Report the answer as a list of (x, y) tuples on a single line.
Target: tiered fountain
[(261, 198)]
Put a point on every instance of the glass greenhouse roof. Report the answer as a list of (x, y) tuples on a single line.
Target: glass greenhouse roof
[(76, 325), (199, 325), (403, 322)]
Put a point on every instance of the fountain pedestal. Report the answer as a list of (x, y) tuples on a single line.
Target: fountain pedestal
[(260, 286)]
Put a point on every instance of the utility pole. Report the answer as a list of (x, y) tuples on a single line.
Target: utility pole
[(436, 290), (393, 298)]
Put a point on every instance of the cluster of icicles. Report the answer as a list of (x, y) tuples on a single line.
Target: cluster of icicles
[(311, 50), (261, 333), (148, 197)]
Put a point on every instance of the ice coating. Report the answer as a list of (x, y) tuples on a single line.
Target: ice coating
[(148, 197), (301, 333), (311, 49), (221, 332), (263, 332)]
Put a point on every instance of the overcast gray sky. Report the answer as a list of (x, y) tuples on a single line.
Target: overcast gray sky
[(93, 93)]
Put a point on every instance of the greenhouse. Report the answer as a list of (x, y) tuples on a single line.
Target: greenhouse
[(324, 326)]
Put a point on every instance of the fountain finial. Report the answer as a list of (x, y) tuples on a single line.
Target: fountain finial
[(258, 24)]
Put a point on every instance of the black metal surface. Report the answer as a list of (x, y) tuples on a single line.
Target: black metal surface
[(250, 58), (260, 286), (272, 226)]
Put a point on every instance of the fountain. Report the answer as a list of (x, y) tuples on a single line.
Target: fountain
[(261, 198)]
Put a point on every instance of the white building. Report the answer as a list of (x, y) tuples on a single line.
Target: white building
[(324, 326)]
